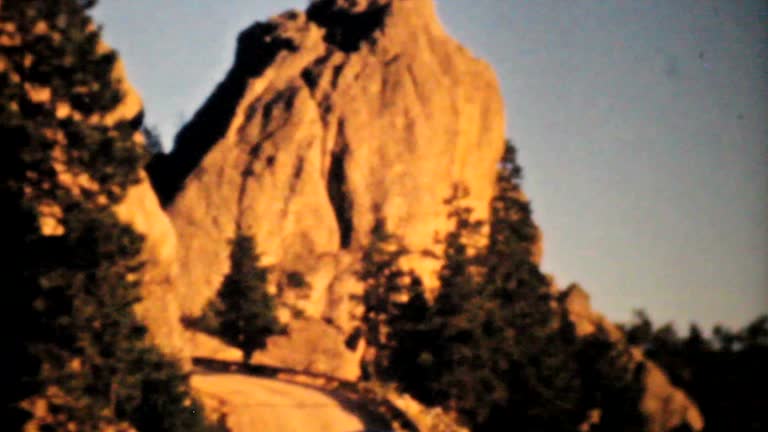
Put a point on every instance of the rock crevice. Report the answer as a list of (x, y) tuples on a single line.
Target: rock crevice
[(337, 189)]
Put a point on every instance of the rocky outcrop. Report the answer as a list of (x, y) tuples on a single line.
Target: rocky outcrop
[(159, 307), (665, 406), (328, 119)]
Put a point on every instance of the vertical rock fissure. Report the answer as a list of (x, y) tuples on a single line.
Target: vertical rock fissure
[(337, 188), (247, 172)]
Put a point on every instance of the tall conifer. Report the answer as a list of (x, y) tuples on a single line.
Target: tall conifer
[(243, 311), (384, 288)]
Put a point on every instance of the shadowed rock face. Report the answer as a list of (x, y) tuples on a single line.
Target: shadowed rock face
[(326, 120)]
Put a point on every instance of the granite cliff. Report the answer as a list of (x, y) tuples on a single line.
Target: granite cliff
[(328, 119)]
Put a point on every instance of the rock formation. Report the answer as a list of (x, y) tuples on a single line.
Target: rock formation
[(159, 308), (327, 120)]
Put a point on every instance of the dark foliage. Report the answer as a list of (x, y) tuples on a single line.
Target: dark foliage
[(346, 30), (243, 311), (493, 346), (724, 374), (384, 289), (72, 269), (611, 383), (153, 143)]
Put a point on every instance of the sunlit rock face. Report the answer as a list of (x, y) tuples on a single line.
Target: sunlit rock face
[(327, 120), (159, 307), (141, 209), (666, 406)]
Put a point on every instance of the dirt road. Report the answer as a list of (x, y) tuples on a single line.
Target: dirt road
[(254, 404)]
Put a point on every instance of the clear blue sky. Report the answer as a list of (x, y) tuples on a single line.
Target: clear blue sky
[(642, 127)]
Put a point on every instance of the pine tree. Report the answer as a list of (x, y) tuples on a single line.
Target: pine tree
[(170, 409), (75, 345), (640, 331), (494, 347), (541, 380), (243, 310), (465, 322), (384, 283), (697, 364), (413, 338), (154, 145), (552, 377), (512, 230)]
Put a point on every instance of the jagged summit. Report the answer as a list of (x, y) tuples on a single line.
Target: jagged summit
[(344, 26)]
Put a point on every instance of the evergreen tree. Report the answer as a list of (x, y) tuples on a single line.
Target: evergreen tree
[(395, 322), (384, 283), (243, 311), (728, 363), (171, 409), (640, 331), (466, 324), (152, 142), (493, 347), (553, 378), (696, 342), (512, 230), (540, 376), (76, 348), (413, 338)]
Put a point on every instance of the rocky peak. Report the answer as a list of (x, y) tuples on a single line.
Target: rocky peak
[(327, 120)]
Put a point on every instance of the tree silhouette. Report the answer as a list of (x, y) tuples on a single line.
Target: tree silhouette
[(385, 287), (243, 311), (727, 363), (494, 347), (78, 355)]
